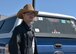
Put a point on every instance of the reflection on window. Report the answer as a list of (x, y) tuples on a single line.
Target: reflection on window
[(37, 30), (8, 25), (51, 25), (1, 23)]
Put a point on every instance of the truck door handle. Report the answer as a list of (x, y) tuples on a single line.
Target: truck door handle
[(58, 45)]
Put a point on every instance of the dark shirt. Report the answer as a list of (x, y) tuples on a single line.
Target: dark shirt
[(21, 40)]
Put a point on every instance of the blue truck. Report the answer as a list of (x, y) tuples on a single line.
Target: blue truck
[(55, 33)]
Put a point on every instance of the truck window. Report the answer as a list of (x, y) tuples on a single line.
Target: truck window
[(7, 24), (1, 23), (53, 25)]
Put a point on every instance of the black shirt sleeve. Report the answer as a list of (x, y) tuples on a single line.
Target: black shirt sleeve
[(13, 48)]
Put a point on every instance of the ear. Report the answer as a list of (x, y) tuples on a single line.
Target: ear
[(22, 14)]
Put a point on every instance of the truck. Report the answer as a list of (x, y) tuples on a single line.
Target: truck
[(55, 33)]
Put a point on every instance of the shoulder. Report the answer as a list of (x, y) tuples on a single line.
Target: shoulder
[(17, 29)]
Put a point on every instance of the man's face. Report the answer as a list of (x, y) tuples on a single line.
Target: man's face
[(28, 16)]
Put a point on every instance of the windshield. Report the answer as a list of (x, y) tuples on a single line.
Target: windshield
[(7, 25), (54, 26)]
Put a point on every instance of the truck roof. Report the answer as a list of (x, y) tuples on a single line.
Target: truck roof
[(41, 13)]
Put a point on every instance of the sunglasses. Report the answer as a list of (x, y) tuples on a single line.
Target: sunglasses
[(29, 13)]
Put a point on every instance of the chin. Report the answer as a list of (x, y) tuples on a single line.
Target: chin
[(31, 20)]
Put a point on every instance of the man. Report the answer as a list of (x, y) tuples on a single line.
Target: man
[(21, 41)]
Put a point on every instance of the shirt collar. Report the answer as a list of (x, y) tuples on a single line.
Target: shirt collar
[(27, 27)]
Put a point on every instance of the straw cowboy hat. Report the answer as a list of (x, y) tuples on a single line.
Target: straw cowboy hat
[(27, 8)]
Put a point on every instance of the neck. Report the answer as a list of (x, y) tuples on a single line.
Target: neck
[(28, 23)]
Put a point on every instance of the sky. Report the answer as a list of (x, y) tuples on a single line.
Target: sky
[(11, 7)]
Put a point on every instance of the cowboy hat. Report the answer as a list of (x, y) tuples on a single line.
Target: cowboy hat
[(27, 8)]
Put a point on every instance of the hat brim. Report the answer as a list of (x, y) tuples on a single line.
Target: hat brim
[(19, 14)]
